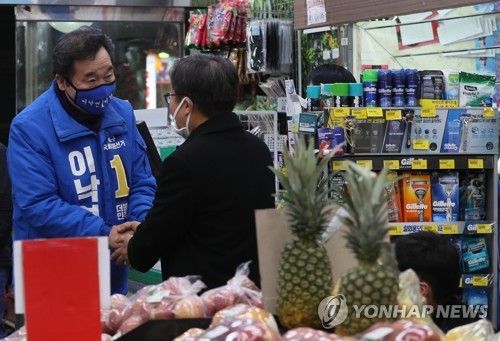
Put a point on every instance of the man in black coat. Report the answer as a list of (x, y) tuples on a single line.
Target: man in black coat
[(202, 221)]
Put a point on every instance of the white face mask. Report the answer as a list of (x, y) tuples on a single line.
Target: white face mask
[(184, 132)]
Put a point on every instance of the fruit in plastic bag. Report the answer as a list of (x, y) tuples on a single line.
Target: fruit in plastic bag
[(106, 337), (190, 307), (189, 334), (308, 334), (118, 312), (401, 330), (130, 323), (479, 330), (244, 311), (236, 329)]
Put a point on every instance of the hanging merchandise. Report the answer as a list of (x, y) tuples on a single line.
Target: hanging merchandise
[(476, 90), (279, 55), (220, 25), (256, 46)]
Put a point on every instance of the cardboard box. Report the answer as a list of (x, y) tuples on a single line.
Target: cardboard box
[(272, 235)]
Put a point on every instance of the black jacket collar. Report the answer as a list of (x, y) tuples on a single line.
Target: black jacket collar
[(217, 124)]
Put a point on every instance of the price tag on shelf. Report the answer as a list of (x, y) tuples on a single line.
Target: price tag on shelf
[(374, 112), (419, 164), (432, 227), (340, 112), (392, 115), (365, 163), (480, 281), (484, 228), (420, 144), (446, 164), (428, 112), (360, 114), (488, 112), (450, 229), (339, 165), (396, 230), (476, 163), (391, 164)]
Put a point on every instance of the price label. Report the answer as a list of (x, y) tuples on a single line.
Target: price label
[(476, 163), (484, 228), (432, 227), (396, 230), (340, 112), (374, 112), (392, 115), (339, 165), (420, 144), (360, 114), (450, 229), (488, 112), (419, 164), (365, 163), (428, 112), (480, 281), (446, 164), (391, 164)]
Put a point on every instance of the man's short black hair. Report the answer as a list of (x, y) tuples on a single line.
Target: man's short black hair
[(435, 260), (210, 81), (329, 74), (80, 44)]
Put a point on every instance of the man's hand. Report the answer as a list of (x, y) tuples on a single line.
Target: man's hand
[(120, 255), (118, 232)]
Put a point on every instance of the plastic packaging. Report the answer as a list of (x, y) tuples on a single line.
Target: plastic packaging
[(312, 94), (476, 90), (451, 84), (256, 46), (384, 88), (370, 78)]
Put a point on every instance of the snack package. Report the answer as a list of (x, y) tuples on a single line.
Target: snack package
[(239, 289)]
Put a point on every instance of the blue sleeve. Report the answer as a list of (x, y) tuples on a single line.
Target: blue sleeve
[(35, 191), (5, 199), (143, 188)]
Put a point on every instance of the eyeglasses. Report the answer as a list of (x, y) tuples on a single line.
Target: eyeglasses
[(168, 95)]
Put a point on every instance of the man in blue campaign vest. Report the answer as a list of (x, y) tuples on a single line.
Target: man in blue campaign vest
[(77, 162)]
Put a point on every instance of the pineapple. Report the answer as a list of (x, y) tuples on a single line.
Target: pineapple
[(370, 282), (305, 275)]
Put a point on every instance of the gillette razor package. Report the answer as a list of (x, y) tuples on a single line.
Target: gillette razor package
[(479, 134), (445, 196), (473, 196), (474, 254), (369, 135), (392, 189), (476, 297), (417, 204), (394, 135), (452, 131), (424, 135)]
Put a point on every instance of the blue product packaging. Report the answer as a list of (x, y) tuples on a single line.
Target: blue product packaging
[(384, 88), (412, 82), (445, 196), (474, 254), (452, 131), (398, 88), (394, 135)]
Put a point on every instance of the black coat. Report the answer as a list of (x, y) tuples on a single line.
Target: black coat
[(203, 220), (5, 211)]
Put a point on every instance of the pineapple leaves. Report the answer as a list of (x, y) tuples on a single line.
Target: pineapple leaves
[(306, 191), (365, 201)]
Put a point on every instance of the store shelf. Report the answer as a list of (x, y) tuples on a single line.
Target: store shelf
[(417, 162), (457, 227)]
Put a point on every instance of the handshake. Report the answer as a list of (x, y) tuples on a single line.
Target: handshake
[(119, 236)]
